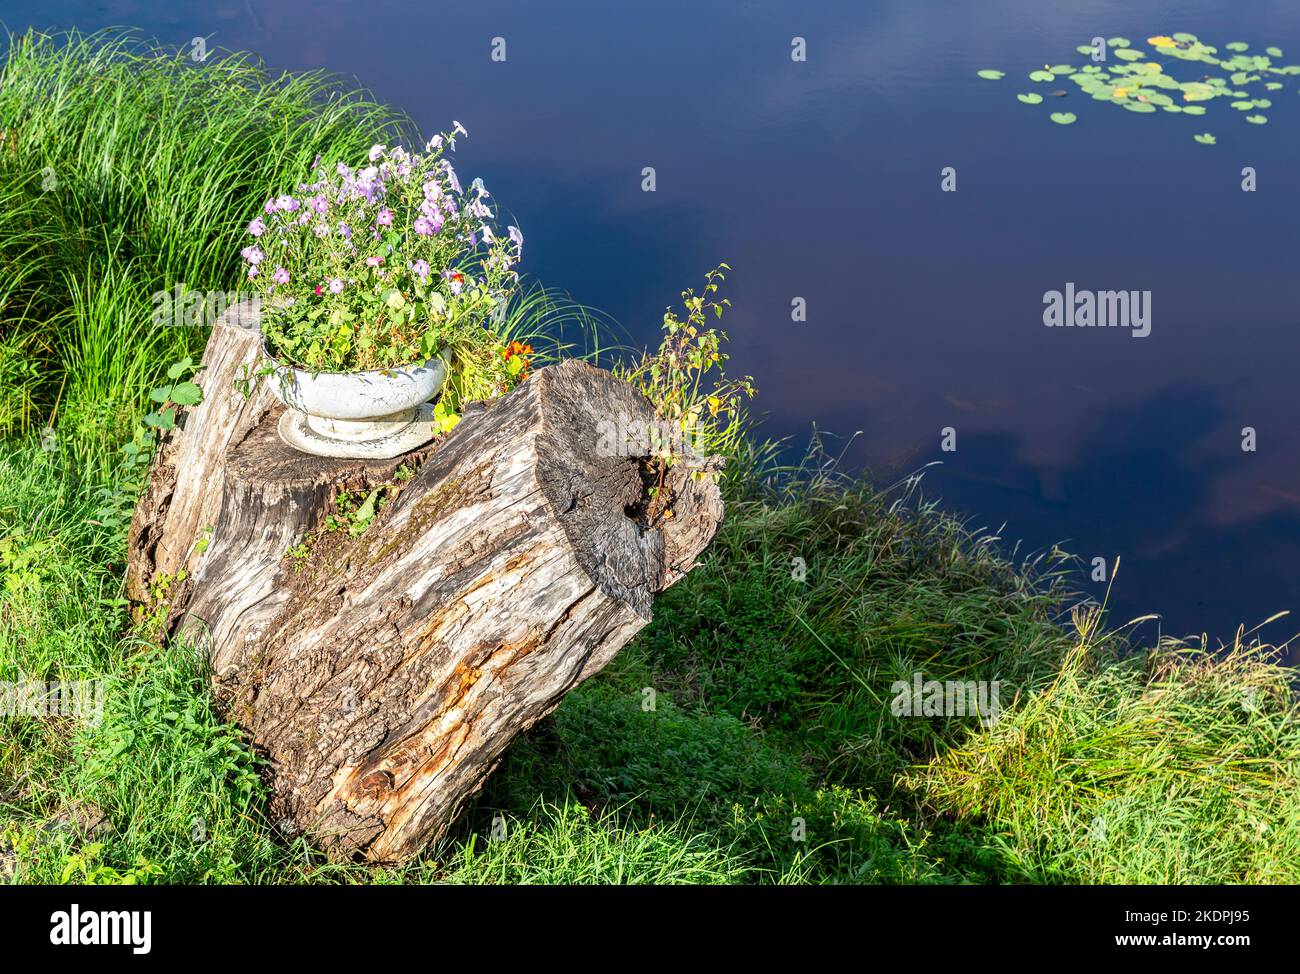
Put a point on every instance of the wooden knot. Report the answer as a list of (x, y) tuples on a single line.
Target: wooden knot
[(375, 783)]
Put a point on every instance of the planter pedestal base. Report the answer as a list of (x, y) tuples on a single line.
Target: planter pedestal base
[(390, 437)]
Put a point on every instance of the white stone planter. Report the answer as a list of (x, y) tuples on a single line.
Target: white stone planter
[(379, 414)]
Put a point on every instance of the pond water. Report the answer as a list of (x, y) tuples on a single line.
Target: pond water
[(820, 180)]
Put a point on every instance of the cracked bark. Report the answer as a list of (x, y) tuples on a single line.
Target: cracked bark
[(383, 675)]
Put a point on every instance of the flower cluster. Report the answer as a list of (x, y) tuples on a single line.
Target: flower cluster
[(380, 266)]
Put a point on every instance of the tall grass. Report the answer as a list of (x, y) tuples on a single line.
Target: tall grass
[(126, 170)]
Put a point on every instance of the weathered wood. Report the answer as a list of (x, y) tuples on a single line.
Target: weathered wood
[(383, 674)]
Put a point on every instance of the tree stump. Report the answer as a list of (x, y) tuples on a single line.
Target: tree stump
[(382, 672)]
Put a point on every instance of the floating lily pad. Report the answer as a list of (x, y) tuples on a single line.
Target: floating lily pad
[(1193, 109), (1262, 103), (1064, 118), (988, 74), (1236, 45), (1172, 108), (1139, 106), (1257, 119), (1128, 55), (1205, 138), (1031, 98), (1084, 48), (1273, 51), (1118, 41), (1041, 76), (1243, 106), (1273, 85), (1185, 38), (1061, 69)]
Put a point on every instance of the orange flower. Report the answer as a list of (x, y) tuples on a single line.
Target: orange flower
[(523, 351)]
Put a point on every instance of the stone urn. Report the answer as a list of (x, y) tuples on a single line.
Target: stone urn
[(377, 415)]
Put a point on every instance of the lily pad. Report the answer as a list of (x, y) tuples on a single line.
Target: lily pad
[(1129, 55), (1084, 48), (1243, 106), (1041, 76), (1273, 51), (1205, 138), (1236, 45), (989, 74), (1193, 109), (1273, 85), (1262, 103), (1031, 98), (1257, 119), (1061, 69), (1118, 41), (1064, 118)]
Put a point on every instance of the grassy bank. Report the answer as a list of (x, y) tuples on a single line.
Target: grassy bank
[(771, 753)]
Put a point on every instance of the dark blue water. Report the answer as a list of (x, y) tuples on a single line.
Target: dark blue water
[(821, 180)]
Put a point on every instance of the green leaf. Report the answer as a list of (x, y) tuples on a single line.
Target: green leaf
[(989, 74), (1205, 139), (1064, 118), (1030, 99), (1257, 119), (186, 394)]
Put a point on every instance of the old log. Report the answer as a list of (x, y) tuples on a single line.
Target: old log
[(384, 628)]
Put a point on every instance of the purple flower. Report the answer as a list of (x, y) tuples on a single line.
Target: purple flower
[(253, 255), (421, 267), (376, 152), (432, 190), (269, 208), (427, 227), (281, 276), (336, 285), (252, 272), (451, 176), (374, 261), (257, 227), (516, 237), (346, 231), (287, 204), (319, 203), (385, 217)]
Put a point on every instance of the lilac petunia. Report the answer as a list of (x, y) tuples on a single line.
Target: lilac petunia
[(257, 227), (281, 276)]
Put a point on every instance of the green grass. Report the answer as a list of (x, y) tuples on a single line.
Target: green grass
[(745, 736)]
